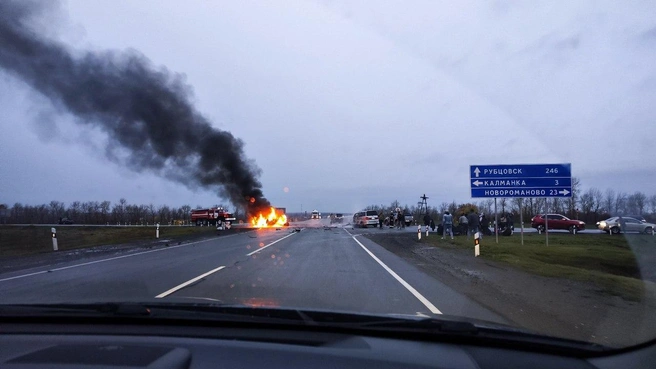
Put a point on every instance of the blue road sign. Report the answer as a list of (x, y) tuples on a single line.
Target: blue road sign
[(521, 180), (564, 182)]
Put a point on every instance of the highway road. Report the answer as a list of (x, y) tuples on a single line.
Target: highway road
[(317, 268)]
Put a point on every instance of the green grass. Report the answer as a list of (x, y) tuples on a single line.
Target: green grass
[(609, 261), (18, 241)]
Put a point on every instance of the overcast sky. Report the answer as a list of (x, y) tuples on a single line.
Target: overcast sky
[(347, 103)]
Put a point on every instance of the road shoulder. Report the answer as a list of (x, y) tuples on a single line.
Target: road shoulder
[(26, 263), (555, 306)]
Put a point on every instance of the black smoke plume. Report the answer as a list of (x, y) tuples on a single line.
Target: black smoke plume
[(143, 110)]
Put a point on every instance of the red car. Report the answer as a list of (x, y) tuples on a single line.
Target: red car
[(557, 221)]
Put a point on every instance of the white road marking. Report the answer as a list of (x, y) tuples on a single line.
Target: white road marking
[(405, 284), (264, 247), (164, 294), (23, 276), (110, 259)]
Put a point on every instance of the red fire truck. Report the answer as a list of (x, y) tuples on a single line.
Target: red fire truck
[(211, 216)]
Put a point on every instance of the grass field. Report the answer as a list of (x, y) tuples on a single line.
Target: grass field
[(28, 240), (618, 264)]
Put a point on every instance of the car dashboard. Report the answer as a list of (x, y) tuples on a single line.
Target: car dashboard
[(55, 345)]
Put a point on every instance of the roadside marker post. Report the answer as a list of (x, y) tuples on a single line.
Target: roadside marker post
[(419, 233), (477, 246), (426, 231), (157, 231), (55, 247)]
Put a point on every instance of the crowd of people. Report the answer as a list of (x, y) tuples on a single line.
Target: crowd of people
[(394, 220), (468, 224)]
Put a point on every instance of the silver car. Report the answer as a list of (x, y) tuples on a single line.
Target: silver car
[(612, 225)]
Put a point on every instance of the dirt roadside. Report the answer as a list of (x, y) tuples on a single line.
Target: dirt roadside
[(552, 306)]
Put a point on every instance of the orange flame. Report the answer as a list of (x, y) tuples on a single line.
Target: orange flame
[(273, 219)]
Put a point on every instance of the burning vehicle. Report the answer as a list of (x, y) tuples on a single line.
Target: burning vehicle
[(271, 218)]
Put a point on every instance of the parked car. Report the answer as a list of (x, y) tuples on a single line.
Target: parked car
[(638, 217), (557, 221), (612, 225), (65, 221), (408, 218), (337, 218), (457, 231)]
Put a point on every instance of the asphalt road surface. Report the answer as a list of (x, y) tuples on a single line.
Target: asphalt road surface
[(319, 267)]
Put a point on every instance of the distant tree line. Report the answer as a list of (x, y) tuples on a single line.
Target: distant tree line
[(590, 206), (94, 212)]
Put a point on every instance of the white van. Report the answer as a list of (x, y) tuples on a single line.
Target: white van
[(365, 218)]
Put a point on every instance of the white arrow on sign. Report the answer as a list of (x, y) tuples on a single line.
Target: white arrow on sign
[(477, 172), (563, 192), (477, 183)]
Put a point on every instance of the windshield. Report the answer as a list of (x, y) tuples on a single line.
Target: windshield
[(174, 152)]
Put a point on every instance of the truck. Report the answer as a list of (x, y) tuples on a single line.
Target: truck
[(212, 216), (315, 214)]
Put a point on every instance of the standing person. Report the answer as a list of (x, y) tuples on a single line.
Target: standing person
[(622, 224), (502, 224), (447, 220), (473, 220), (398, 219), (381, 220), (485, 224), (463, 223), (427, 220)]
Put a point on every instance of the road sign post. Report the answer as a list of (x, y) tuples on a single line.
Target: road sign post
[(521, 219), (546, 221), (419, 232), (496, 221), (521, 180)]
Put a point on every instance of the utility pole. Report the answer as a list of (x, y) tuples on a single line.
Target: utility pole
[(423, 204)]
